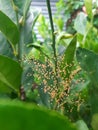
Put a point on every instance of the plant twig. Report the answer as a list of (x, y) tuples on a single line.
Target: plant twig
[(15, 8), (52, 26)]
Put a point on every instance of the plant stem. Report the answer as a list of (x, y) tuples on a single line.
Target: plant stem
[(20, 40), (53, 39), (20, 46), (52, 26), (17, 19)]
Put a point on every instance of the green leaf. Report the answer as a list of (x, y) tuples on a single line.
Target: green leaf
[(22, 116), (63, 35), (35, 44), (5, 48), (88, 5), (81, 125), (59, 22), (67, 61), (6, 8), (26, 33), (80, 23), (34, 53), (9, 29), (88, 61), (94, 122), (26, 8), (39, 51), (20, 5), (37, 15), (10, 74)]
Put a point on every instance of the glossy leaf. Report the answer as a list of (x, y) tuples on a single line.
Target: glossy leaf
[(35, 44), (9, 29), (63, 35), (81, 125), (88, 5), (5, 48), (10, 74), (34, 53), (80, 23), (19, 116), (67, 61), (6, 8)]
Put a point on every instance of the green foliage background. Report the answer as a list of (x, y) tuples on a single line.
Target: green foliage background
[(56, 77)]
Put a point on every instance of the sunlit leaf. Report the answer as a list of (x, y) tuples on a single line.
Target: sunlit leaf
[(34, 53), (35, 44), (88, 5), (63, 35)]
